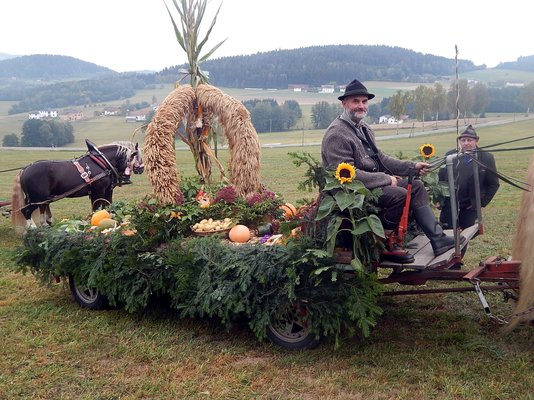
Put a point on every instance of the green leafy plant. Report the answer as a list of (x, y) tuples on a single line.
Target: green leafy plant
[(348, 207), (315, 175)]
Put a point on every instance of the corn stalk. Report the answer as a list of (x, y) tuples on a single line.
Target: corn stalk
[(198, 126)]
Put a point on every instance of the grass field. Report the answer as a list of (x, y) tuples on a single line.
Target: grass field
[(424, 347)]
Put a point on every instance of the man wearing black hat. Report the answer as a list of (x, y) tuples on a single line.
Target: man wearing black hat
[(349, 139), (465, 181)]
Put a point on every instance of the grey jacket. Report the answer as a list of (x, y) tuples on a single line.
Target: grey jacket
[(342, 144)]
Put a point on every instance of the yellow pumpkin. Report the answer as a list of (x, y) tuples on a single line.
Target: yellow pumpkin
[(239, 234), (99, 216)]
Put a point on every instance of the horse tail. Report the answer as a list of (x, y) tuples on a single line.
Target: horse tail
[(523, 251), (18, 220)]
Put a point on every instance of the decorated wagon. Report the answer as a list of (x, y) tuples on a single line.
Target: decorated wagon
[(236, 251)]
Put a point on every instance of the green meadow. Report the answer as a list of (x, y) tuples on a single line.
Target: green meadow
[(438, 346)]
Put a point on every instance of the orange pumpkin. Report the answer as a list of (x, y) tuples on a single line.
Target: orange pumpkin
[(99, 216), (239, 234), (289, 210)]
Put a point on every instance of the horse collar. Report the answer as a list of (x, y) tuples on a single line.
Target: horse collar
[(99, 161)]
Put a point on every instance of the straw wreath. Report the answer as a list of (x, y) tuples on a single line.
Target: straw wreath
[(243, 142)]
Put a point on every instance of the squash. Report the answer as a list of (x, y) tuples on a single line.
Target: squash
[(289, 210), (107, 223), (239, 234), (99, 216)]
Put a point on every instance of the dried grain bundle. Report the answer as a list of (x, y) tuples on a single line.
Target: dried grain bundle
[(160, 157), (245, 154), (522, 250)]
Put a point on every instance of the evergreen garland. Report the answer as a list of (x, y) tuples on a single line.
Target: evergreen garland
[(207, 277)]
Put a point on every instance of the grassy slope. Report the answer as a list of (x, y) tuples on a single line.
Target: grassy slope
[(437, 346)]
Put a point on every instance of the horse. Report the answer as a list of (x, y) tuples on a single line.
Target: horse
[(94, 174)]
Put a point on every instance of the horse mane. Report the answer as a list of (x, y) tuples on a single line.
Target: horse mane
[(123, 148)]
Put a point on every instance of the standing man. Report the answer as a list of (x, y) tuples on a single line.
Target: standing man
[(465, 182), (349, 139)]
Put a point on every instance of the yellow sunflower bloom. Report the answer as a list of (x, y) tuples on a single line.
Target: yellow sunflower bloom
[(345, 173), (427, 150)]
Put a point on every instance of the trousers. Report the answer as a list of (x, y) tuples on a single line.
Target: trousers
[(393, 199), (466, 216)]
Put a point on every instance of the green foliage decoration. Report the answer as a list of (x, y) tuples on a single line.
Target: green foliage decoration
[(152, 252), (350, 210)]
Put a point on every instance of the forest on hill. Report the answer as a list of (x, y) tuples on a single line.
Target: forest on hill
[(321, 65)]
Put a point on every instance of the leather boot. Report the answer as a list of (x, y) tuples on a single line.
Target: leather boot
[(438, 239)]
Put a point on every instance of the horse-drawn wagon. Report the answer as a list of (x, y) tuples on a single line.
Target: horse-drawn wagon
[(292, 294)]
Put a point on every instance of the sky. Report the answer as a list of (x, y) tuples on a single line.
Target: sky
[(128, 35)]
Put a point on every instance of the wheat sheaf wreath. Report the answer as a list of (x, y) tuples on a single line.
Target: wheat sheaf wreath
[(243, 142)]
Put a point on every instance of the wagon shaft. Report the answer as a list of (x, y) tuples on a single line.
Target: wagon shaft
[(495, 270)]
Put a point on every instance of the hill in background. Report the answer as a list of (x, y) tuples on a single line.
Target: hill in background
[(278, 69), (320, 65), (4, 56), (50, 67)]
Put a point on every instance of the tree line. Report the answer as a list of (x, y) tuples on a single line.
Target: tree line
[(320, 65), (41, 133), (461, 100), (425, 103)]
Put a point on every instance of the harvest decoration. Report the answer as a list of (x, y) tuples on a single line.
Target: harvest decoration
[(345, 173), (347, 206), (427, 150), (153, 252), (99, 216)]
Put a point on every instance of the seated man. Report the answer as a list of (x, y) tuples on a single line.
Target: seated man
[(465, 195), (349, 139)]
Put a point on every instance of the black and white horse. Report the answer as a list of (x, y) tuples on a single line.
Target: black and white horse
[(94, 174)]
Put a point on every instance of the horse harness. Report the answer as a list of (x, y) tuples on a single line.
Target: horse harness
[(85, 174)]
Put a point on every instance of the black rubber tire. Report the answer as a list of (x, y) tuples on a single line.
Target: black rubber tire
[(87, 297), (291, 329)]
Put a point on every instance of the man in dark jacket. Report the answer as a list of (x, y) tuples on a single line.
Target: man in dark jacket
[(349, 139), (463, 170)]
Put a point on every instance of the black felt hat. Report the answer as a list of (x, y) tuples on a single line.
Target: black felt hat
[(356, 88), (469, 132)]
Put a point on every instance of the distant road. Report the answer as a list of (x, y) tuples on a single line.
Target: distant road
[(428, 131)]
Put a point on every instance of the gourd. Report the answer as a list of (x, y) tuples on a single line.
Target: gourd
[(239, 234), (289, 210), (99, 216)]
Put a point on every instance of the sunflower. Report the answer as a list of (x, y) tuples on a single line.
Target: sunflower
[(427, 150), (345, 173)]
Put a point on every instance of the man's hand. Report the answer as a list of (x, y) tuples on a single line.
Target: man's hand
[(422, 168), (394, 180)]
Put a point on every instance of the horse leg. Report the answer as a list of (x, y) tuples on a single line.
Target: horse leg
[(42, 214), (47, 214), (29, 212)]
